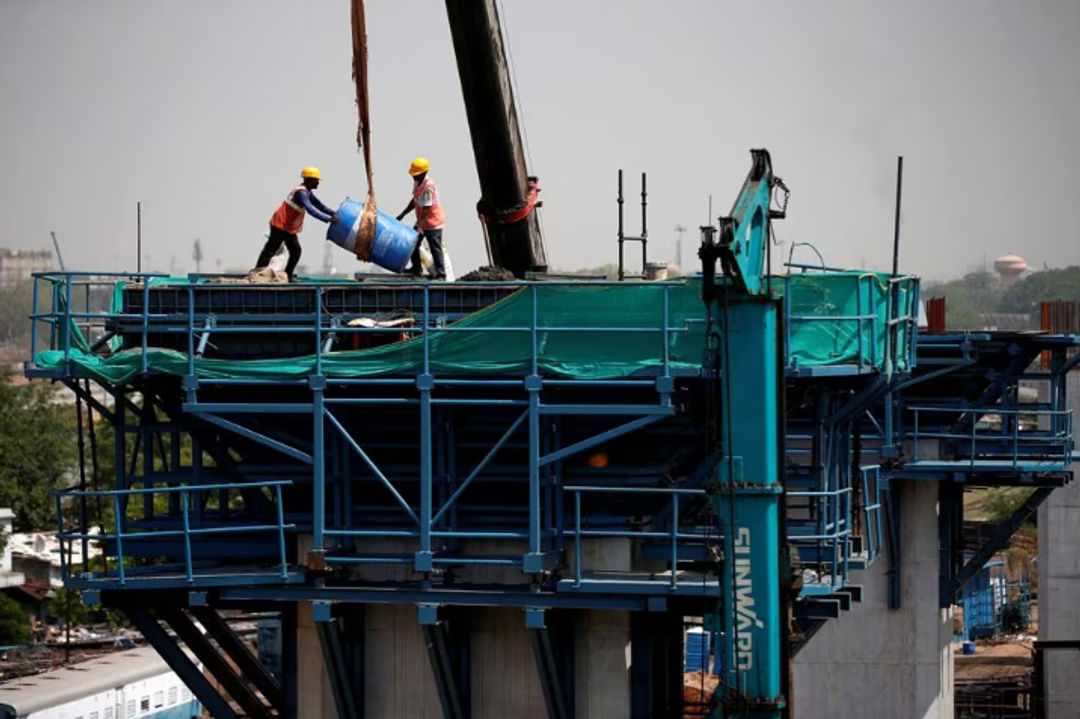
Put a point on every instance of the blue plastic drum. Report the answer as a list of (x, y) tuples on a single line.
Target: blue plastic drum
[(394, 241)]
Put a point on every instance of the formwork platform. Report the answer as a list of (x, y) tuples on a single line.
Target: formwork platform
[(547, 446)]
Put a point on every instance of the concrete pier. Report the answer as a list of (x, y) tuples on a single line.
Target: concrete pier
[(1059, 581), (503, 676), (879, 662)]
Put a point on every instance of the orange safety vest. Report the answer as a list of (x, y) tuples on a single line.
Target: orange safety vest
[(290, 213), (426, 195)]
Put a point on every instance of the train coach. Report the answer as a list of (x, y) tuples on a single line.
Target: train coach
[(133, 684)]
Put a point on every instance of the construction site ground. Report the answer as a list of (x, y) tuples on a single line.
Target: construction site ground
[(1001, 657)]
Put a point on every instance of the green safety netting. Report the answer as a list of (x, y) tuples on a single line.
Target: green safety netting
[(842, 318), (583, 332)]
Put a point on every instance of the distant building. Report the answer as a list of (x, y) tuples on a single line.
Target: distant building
[(16, 266), (1010, 267), (8, 577), (37, 555)]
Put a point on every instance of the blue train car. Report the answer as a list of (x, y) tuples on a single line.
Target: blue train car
[(134, 684)]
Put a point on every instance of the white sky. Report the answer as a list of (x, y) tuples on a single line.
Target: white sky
[(205, 111)]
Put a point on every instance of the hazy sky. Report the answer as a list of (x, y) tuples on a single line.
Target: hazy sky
[(205, 111)]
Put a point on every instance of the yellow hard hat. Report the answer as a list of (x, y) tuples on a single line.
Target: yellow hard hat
[(310, 171), (419, 166)]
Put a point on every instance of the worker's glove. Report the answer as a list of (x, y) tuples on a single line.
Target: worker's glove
[(333, 218)]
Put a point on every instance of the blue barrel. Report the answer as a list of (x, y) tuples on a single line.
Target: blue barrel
[(394, 241), (968, 648), (701, 647)]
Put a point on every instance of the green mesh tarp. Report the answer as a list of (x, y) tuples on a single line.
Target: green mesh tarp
[(843, 317), (582, 332)]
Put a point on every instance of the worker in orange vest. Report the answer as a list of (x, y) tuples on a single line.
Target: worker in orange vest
[(429, 217), (288, 220)]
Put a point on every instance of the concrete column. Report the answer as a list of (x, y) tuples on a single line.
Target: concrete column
[(602, 665), (874, 661), (504, 678), (1059, 581), (314, 697), (398, 682), (602, 642)]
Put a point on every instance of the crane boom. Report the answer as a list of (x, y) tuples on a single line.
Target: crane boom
[(59, 257), (508, 192)]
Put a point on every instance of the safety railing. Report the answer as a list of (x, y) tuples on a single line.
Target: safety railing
[(674, 534), (55, 312), (867, 337), (823, 536), (877, 332), (119, 566), (869, 508), (64, 311), (974, 440)]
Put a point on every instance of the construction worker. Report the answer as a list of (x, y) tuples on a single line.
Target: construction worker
[(429, 217), (288, 220)]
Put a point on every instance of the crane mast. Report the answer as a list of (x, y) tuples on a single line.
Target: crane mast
[(508, 193)]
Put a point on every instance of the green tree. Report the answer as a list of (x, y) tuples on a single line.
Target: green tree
[(38, 451), (67, 606), (14, 622), (967, 298), (1000, 503), (1057, 284), (609, 271), (16, 304)]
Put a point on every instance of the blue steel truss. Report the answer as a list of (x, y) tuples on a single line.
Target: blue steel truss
[(332, 449), (279, 490)]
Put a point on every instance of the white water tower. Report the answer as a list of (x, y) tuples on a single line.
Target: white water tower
[(1010, 267)]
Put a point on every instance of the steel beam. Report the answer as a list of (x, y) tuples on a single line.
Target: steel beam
[(406, 594), (550, 666), (999, 538), (891, 506), (336, 666), (213, 660), (179, 662), (249, 665), (445, 666), (656, 664), (256, 437)]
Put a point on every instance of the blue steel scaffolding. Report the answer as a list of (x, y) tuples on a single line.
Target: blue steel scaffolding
[(257, 467)]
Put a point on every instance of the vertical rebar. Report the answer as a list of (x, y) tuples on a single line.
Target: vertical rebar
[(896, 222), (619, 199), (318, 458), (138, 237), (644, 225)]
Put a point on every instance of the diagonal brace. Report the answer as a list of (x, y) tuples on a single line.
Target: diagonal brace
[(547, 667), (480, 467), (257, 437), (610, 434), (1004, 531), (219, 668), (249, 666), (334, 655), (371, 465), (435, 638), (179, 662)]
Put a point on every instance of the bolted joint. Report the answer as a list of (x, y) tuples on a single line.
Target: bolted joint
[(428, 614), (316, 561), (535, 618), (322, 611)]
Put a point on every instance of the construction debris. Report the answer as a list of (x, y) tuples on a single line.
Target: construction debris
[(488, 273)]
